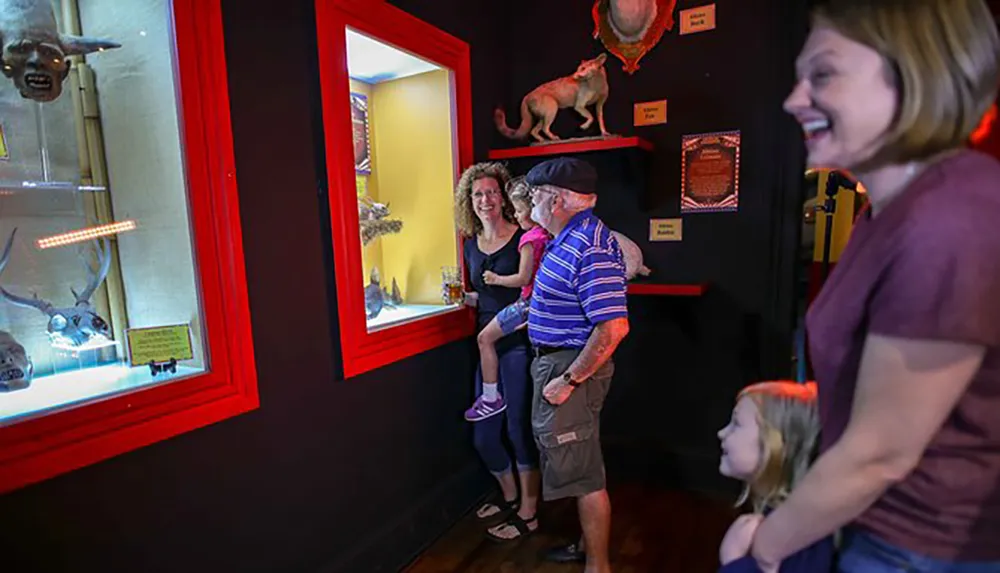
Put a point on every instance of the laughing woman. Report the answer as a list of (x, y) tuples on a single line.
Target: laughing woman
[(905, 336), (484, 215)]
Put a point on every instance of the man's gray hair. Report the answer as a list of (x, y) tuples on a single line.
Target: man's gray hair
[(572, 201)]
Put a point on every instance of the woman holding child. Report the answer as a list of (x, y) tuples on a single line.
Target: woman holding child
[(501, 251), (905, 336)]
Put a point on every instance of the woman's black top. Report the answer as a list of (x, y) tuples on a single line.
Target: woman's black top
[(493, 298)]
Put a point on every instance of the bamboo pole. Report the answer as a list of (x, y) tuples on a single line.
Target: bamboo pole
[(109, 300)]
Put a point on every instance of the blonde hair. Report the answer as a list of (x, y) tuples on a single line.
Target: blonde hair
[(788, 419), (519, 191), (466, 220), (940, 55)]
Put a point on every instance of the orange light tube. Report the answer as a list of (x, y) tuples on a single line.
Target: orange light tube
[(86, 234)]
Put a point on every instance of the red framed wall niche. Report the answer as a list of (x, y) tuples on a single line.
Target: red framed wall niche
[(363, 350), (39, 448)]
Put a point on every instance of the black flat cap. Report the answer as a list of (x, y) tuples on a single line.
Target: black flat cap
[(565, 172)]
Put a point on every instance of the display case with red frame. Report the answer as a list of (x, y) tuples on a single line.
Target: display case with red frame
[(124, 307), (396, 103)]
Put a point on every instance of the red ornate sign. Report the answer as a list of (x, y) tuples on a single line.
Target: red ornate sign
[(631, 28)]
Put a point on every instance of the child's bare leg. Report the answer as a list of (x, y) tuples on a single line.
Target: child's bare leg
[(490, 403), (487, 340)]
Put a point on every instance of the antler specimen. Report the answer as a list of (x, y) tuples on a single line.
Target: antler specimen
[(33, 302), (74, 326), (95, 278)]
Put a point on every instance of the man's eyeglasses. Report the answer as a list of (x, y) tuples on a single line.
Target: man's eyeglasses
[(541, 191)]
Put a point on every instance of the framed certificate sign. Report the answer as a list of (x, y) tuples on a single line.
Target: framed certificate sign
[(362, 145), (710, 172)]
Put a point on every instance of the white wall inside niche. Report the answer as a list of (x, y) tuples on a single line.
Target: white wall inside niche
[(136, 88)]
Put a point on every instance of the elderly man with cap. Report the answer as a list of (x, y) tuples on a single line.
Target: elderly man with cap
[(578, 316)]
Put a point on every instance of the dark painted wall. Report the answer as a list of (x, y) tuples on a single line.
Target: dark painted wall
[(684, 359), (327, 475), (357, 476)]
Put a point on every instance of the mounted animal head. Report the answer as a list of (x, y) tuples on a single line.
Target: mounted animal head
[(631, 17), (76, 326), (590, 68), (371, 210), (38, 67), (16, 368)]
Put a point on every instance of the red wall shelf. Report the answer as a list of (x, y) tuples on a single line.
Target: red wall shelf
[(569, 147), (648, 289)]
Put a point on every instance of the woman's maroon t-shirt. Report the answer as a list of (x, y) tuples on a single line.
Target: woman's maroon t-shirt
[(926, 267)]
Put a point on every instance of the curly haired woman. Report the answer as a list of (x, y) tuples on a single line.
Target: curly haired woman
[(484, 215)]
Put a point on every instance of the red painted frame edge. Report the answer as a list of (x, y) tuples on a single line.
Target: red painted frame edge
[(363, 351), (40, 448), (571, 147)]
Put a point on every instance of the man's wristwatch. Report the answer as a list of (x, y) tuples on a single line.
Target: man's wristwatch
[(568, 378)]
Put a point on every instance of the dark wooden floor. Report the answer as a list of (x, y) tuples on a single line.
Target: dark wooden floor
[(653, 530)]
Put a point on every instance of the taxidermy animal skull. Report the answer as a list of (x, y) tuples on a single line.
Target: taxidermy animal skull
[(16, 368), (633, 257), (631, 19), (77, 326), (35, 54)]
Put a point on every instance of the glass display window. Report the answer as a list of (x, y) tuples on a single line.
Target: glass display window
[(122, 296), (396, 107)]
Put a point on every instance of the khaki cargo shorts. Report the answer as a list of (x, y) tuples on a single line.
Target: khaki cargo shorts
[(568, 435)]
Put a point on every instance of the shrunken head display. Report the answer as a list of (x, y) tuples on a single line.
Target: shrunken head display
[(35, 55), (884, 83), (16, 368), (770, 440)]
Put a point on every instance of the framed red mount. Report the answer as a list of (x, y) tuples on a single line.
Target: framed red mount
[(631, 52), (43, 447), (362, 350)]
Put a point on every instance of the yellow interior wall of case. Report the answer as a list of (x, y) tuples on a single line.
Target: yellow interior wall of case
[(414, 170), (843, 220), (371, 256)]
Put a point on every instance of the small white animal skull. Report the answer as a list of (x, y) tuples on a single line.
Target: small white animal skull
[(632, 255)]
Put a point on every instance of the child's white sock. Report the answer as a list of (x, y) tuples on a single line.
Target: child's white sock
[(490, 391)]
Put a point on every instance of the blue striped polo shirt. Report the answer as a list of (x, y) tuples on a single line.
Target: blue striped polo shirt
[(580, 283)]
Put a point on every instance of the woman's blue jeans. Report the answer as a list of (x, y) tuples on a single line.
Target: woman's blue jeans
[(864, 553), (515, 387)]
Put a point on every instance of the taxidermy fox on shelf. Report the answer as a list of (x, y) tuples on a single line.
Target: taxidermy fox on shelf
[(588, 85)]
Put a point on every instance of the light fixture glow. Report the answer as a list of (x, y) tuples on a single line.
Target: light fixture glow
[(371, 61), (86, 234)]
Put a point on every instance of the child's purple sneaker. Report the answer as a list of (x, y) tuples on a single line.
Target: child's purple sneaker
[(481, 409)]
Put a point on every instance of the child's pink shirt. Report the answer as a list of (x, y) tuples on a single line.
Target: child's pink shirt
[(537, 237)]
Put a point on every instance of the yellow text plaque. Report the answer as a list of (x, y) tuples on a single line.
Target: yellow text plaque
[(700, 19), (159, 344), (666, 230), (651, 113), (4, 154)]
